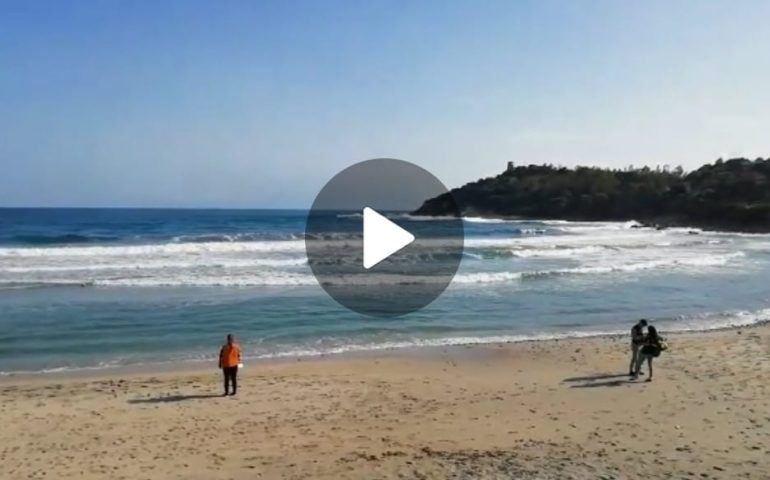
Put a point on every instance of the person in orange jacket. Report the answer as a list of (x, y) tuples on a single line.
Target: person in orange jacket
[(229, 358)]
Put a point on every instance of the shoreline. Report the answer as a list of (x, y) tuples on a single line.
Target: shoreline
[(199, 366)]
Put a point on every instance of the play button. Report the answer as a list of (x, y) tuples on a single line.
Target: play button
[(382, 238), (368, 252)]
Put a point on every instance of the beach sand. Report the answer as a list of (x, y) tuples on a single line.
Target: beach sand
[(553, 409)]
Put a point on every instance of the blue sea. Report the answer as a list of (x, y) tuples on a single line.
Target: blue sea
[(95, 288)]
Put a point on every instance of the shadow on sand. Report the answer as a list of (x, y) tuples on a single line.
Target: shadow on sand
[(612, 383), (592, 381), (175, 398), (593, 378)]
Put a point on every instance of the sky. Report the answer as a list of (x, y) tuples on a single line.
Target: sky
[(259, 103)]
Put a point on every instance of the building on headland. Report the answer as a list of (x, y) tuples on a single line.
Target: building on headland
[(510, 167)]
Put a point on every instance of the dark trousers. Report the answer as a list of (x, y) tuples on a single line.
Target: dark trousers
[(231, 377)]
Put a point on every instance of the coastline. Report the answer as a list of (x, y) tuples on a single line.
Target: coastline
[(555, 409), (659, 223), (702, 198), (409, 350)]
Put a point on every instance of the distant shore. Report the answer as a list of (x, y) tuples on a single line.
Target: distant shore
[(728, 195), (560, 409)]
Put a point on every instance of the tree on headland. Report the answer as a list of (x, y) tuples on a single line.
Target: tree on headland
[(728, 194)]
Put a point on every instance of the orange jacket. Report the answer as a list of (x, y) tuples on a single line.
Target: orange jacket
[(230, 355)]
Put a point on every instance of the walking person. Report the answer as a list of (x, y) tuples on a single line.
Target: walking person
[(637, 340), (653, 345), (229, 359)]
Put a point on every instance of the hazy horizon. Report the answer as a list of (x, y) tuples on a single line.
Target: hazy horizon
[(257, 104)]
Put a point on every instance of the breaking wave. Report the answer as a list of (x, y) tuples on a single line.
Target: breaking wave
[(332, 346), (272, 277), (527, 250)]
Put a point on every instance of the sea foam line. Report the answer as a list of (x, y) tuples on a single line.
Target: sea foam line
[(283, 278), (703, 322)]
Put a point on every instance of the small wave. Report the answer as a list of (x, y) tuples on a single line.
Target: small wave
[(716, 320), (255, 280), (62, 239), (590, 227), (160, 265), (15, 285), (335, 236), (284, 278), (533, 231), (420, 218), (703, 322), (702, 261), (737, 234), (556, 252), (403, 216), (699, 323), (480, 220), (165, 249), (694, 262), (556, 238), (67, 369), (485, 220), (235, 237), (487, 277)]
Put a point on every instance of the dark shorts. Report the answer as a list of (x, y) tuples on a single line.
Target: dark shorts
[(650, 350)]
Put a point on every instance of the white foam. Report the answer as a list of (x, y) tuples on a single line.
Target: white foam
[(254, 280), (691, 265), (717, 320), (485, 220), (555, 252), (702, 322), (577, 227), (152, 264), (487, 277), (699, 322), (555, 222), (581, 248), (195, 248)]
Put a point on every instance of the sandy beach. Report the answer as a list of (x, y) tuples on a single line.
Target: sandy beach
[(551, 409)]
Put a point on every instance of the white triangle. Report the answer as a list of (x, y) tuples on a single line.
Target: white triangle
[(382, 238)]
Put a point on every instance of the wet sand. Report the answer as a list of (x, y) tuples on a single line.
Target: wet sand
[(555, 409)]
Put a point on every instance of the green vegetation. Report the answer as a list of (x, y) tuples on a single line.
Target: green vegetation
[(726, 195)]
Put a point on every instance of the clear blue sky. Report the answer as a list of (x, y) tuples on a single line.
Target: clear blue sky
[(257, 103)]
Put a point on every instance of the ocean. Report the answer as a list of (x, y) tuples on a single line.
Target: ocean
[(96, 288)]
